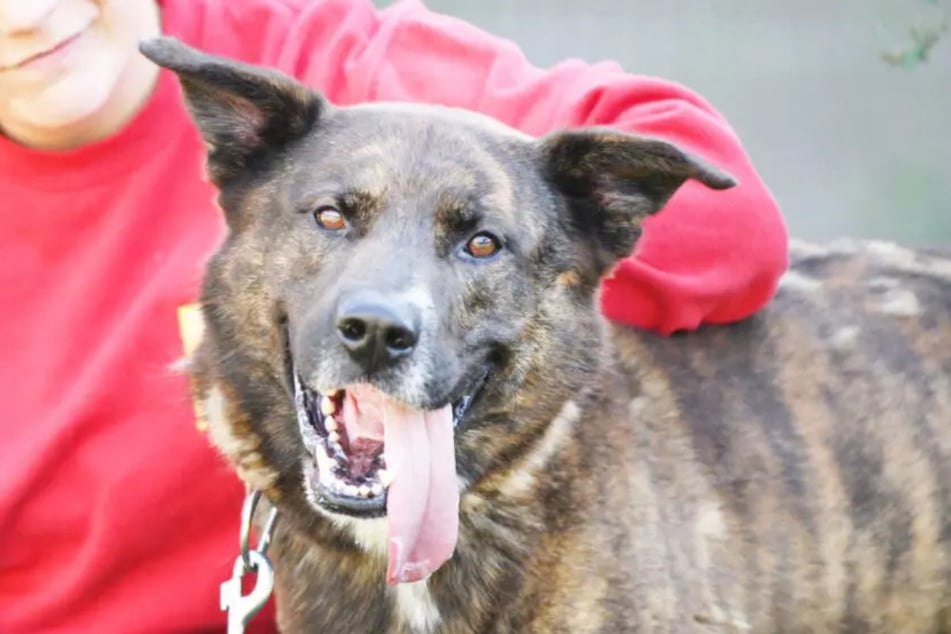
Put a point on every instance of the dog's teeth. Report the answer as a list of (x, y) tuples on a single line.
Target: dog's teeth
[(324, 463), (334, 437), (385, 477), (364, 491), (351, 490), (376, 490), (326, 406), (330, 422)]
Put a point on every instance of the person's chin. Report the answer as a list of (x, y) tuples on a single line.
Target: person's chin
[(70, 100)]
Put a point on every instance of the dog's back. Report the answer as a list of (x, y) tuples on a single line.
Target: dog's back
[(793, 472)]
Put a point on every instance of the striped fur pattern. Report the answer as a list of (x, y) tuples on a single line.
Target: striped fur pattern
[(798, 466)]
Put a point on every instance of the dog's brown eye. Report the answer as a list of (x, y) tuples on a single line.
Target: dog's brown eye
[(330, 219), (483, 245)]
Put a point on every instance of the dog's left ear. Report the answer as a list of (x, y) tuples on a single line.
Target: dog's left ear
[(244, 112), (613, 181)]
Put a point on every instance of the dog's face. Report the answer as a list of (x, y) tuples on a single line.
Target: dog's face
[(406, 296)]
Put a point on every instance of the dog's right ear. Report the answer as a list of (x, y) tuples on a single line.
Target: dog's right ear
[(243, 112)]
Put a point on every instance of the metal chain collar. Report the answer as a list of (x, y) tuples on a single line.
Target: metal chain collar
[(242, 608)]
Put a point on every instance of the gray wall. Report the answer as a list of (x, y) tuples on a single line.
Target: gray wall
[(849, 145)]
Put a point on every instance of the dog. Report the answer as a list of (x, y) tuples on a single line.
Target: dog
[(404, 354)]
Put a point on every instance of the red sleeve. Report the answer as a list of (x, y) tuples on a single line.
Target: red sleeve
[(709, 257)]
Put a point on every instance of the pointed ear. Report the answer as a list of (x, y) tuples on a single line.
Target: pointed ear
[(244, 112), (613, 181)]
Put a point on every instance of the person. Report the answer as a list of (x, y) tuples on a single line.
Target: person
[(115, 513)]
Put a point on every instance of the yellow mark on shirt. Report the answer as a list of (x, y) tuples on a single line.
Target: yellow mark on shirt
[(191, 326)]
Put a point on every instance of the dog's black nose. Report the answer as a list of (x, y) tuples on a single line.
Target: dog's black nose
[(377, 331)]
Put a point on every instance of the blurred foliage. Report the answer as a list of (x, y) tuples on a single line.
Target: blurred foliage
[(923, 37)]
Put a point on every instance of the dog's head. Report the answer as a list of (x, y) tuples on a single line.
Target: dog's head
[(407, 294)]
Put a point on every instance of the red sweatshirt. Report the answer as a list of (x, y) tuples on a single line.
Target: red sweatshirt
[(115, 514)]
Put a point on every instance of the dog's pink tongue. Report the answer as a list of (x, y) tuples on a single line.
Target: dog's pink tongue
[(422, 504)]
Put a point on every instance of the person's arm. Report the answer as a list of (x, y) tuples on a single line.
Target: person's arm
[(709, 257)]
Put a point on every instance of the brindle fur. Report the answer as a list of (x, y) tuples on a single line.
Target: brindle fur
[(790, 473)]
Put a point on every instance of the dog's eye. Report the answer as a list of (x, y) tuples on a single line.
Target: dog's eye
[(329, 218), (483, 245)]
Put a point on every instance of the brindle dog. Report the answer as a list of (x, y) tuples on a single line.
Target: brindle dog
[(403, 352)]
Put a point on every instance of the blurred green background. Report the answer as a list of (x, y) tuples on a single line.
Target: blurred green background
[(849, 144)]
